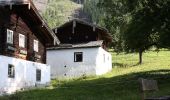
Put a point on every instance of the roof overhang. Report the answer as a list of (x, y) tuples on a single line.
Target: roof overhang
[(90, 44)]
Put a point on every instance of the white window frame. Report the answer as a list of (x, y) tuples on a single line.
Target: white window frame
[(22, 40), (77, 59), (10, 36), (36, 45)]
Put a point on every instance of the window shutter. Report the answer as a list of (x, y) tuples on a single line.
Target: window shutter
[(11, 33), (8, 36), (22, 40), (36, 45)]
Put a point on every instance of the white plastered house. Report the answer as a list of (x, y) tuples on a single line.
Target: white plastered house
[(82, 52)]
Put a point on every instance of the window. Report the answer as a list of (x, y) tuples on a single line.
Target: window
[(10, 36), (36, 45), (104, 59), (38, 75), (108, 58), (21, 40), (78, 57), (11, 71)]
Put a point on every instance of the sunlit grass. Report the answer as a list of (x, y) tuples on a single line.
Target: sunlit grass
[(119, 84)]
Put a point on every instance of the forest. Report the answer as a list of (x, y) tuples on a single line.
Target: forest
[(135, 26)]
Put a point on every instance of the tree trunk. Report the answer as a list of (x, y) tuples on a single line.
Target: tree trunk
[(140, 56)]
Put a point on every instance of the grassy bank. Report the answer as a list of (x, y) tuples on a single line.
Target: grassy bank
[(120, 84)]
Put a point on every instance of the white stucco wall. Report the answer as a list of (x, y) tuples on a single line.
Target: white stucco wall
[(91, 65), (25, 74), (103, 62)]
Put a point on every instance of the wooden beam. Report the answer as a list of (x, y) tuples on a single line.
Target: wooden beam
[(43, 24), (74, 25), (10, 6), (54, 41), (56, 31), (29, 6), (94, 28)]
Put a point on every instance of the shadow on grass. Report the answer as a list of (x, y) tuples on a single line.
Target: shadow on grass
[(121, 65), (123, 87)]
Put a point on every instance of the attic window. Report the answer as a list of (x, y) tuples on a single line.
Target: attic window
[(78, 56)]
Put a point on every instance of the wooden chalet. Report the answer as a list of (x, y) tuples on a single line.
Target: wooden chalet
[(77, 31), (24, 36), (23, 32)]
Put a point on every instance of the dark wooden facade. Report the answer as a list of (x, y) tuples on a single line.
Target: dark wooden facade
[(77, 31), (23, 19)]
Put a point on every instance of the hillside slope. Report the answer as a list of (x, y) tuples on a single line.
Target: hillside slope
[(41, 5), (60, 11), (57, 12)]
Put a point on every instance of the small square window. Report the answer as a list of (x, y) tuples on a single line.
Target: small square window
[(78, 57), (36, 45), (38, 75), (10, 36), (11, 71), (21, 40)]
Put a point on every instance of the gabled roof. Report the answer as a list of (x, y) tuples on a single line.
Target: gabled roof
[(81, 45), (102, 30), (33, 19)]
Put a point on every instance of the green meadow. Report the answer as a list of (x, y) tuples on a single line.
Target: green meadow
[(119, 84)]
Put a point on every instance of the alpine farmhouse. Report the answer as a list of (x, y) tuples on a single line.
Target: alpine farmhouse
[(24, 36), (82, 52)]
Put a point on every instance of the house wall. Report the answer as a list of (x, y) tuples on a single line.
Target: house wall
[(25, 74), (103, 62), (63, 65), (58, 59)]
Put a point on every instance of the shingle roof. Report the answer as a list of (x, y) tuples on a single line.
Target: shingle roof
[(81, 45)]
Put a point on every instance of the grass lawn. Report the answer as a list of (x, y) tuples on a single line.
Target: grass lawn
[(120, 84)]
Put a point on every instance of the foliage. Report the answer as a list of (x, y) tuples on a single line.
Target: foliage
[(96, 13), (59, 11), (141, 23), (122, 80), (135, 25), (116, 19)]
